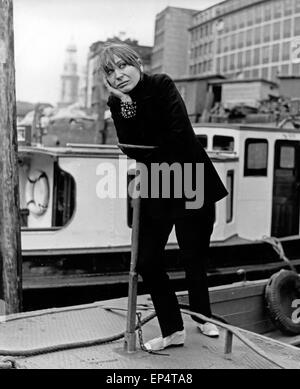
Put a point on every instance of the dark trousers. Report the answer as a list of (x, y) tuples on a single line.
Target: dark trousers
[(193, 235)]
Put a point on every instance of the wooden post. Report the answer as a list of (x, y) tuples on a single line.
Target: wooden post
[(10, 239)]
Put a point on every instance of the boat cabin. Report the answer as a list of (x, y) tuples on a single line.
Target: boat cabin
[(264, 181)]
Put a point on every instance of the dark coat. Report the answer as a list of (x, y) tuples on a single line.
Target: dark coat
[(162, 120)]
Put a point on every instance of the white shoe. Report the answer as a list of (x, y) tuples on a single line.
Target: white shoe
[(209, 329), (160, 343)]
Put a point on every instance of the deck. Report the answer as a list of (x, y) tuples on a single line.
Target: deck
[(24, 336)]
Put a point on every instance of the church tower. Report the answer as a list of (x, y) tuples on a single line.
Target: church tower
[(69, 78)]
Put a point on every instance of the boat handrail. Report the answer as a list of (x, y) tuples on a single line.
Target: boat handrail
[(92, 146)]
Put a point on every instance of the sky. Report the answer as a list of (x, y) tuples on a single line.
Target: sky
[(44, 28)]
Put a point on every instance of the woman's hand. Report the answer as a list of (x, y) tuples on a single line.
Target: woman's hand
[(116, 92)]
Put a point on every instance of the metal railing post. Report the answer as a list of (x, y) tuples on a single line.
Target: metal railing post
[(130, 335)]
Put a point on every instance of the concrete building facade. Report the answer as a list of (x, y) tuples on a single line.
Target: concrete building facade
[(171, 37), (246, 39)]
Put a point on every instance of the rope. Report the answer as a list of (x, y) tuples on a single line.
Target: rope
[(235, 332), (277, 246), (99, 341), (72, 345), (7, 363)]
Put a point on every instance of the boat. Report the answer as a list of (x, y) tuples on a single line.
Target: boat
[(71, 226), (91, 336)]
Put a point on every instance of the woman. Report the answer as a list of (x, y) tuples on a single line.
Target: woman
[(148, 110)]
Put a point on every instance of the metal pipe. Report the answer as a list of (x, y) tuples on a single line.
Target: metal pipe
[(130, 335)]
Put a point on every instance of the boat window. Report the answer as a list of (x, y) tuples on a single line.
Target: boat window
[(203, 140), (224, 143), (256, 157), (63, 197), (229, 198), (287, 157)]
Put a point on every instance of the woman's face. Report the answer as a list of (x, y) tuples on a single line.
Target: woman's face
[(123, 76)]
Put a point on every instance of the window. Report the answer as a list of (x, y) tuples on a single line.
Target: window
[(258, 12), (286, 51), (241, 39), (233, 41), (267, 33), (255, 73), (266, 54), (234, 22), (218, 66), (274, 73), (206, 30), (296, 68), (232, 62), (297, 26), (297, 5), (242, 18), (225, 63), (257, 33), (229, 198), (249, 37), (203, 140), (240, 60), (287, 157), (209, 65), (276, 31), (275, 52), (219, 46), (285, 70), (248, 58), (267, 13), (256, 56), (288, 7), (265, 73), (226, 24), (64, 197), (250, 17), (256, 157), (224, 143), (287, 28), (225, 44), (277, 9), (247, 74)]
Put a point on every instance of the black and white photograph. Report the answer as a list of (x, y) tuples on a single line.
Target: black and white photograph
[(150, 187)]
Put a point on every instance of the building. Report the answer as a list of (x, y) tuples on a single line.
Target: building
[(171, 38), (246, 39), (289, 86), (194, 91), (248, 92), (69, 78)]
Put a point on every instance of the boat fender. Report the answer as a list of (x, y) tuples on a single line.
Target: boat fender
[(37, 192), (282, 295)]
